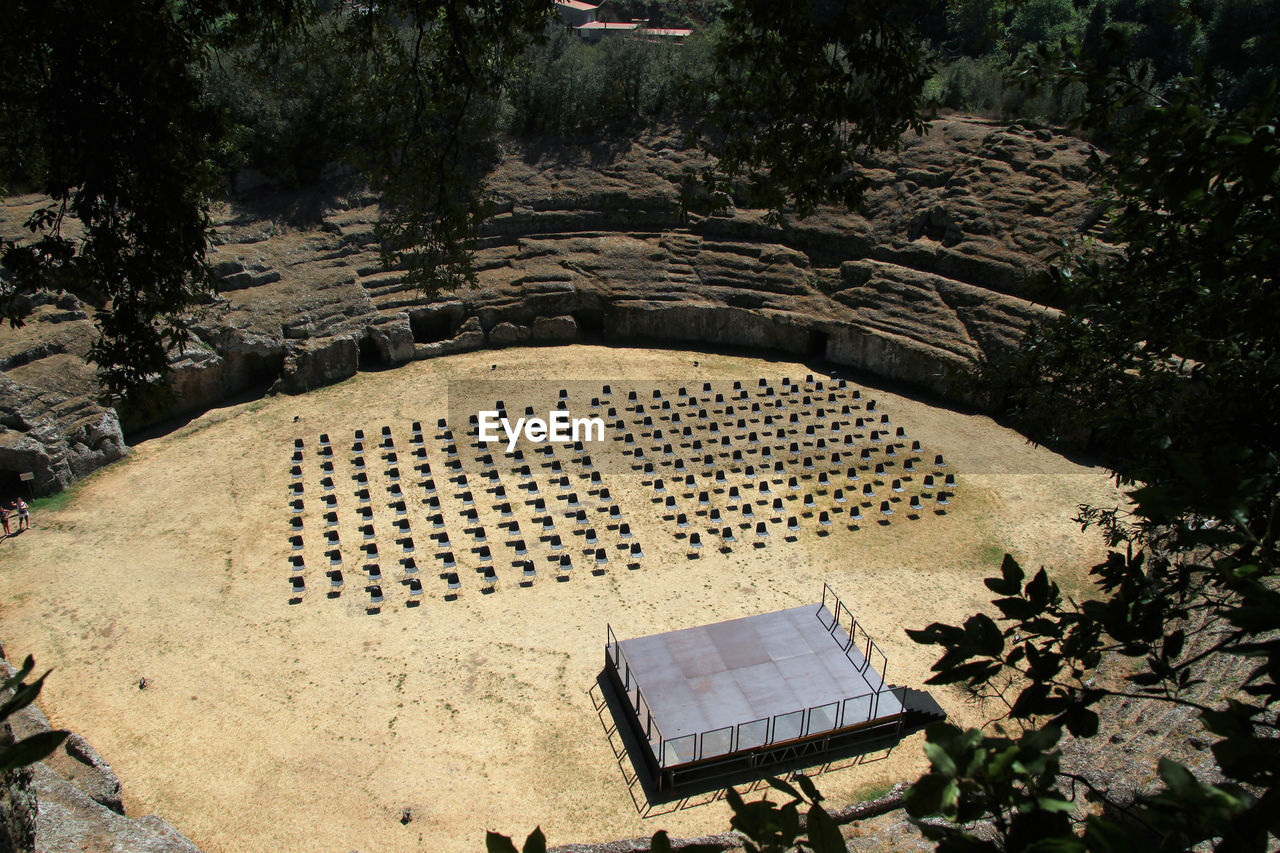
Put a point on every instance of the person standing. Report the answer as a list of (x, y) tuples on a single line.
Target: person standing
[(24, 514), (4, 519)]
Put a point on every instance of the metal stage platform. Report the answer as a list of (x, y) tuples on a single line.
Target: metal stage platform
[(716, 700)]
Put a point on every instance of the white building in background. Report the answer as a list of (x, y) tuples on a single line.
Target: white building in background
[(588, 22), (575, 13)]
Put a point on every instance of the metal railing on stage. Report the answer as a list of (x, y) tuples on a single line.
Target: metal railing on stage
[(800, 724), (858, 646), (634, 694)]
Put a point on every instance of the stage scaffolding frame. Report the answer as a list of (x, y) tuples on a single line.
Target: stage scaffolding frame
[(806, 730)]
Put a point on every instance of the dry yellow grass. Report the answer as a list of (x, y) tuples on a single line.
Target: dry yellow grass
[(269, 726)]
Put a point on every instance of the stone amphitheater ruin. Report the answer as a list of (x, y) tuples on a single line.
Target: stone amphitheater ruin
[(255, 719)]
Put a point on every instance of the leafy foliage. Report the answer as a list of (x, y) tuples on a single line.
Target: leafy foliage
[(104, 111), (1180, 337), (1167, 358), (288, 107), (1007, 781), (100, 110), (434, 69), (565, 85), (806, 89), (31, 749)]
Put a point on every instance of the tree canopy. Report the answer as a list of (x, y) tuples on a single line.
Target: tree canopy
[(1166, 360), (104, 110)]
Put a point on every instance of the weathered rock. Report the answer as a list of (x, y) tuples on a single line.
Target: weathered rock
[(554, 329), (470, 336), (237, 274), (936, 224), (75, 760), (55, 436), (709, 323), (25, 454), (96, 779), (437, 322), (18, 805), (68, 819), (508, 334), (196, 377), (392, 338), (316, 363)]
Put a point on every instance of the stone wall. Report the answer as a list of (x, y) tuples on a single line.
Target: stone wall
[(944, 268)]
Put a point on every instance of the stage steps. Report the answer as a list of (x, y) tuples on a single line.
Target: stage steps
[(920, 709)]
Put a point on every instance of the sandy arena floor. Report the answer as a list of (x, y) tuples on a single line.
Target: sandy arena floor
[(269, 726)]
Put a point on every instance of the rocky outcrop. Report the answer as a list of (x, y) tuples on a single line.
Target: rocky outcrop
[(944, 268), (315, 363), (72, 800), (508, 334), (392, 339), (550, 330), (69, 819), (53, 430)]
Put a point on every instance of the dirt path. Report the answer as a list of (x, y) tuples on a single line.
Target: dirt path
[(268, 726)]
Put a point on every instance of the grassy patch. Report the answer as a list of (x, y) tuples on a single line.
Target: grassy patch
[(872, 792), (64, 498), (991, 554), (54, 502)]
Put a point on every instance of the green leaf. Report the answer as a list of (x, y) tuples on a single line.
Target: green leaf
[(1041, 740), (1059, 844), (1055, 804), (1179, 779), (924, 798), (1234, 138), (1228, 723), (940, 758), (755, 819), (1105, 835)]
